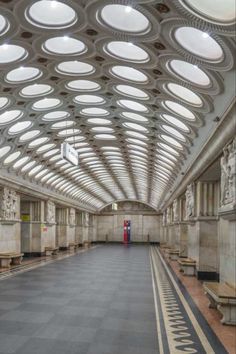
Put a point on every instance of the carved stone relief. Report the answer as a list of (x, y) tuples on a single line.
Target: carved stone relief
[(176, 210), (85, 219), (8, 204), (228, 174), (72, 216), (50, 212), (168, 215), (190, 201), (164, 218)]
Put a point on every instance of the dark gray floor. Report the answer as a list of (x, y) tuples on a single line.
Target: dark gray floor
[(98, 302)]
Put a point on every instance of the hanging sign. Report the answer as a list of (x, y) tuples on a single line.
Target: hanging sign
[(69, 154)]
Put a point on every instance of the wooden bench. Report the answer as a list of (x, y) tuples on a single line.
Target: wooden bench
[(49, 251), (12, 258), (223, 297), (87, 244), (187, 266), (173, 254)]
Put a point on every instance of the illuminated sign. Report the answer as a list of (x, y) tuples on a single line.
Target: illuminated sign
[(69, 154)]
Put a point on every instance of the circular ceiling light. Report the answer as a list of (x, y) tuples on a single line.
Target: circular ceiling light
[(129, 73), (125, 18), (134, 116), (189, 72), (99, 121), (23, 74), (127, 51), (51, 14), (132, 105), (29, 135), (136, 135), (38, 141), (12, 157), (57, 115), (28, 166), (4, 101), (83, 85), (46, 103), (136, 141), (104, 137), (135, 127), (11, 52), (73, 139), (4, 26), (19, 127), (89, 99), (75, 68), (102, 129), (10, 116), (168, 148), (64, 46), (172, 141), (67, 132), (131, 91), (21, 162), (180, 110), (4, 150), (173, 132), (94, 111), (218, 12), (63, 124), (184, 94), (199, 43), (175, 122), (36, 90), (45, 148)]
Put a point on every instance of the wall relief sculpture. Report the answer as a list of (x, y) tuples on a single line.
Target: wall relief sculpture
[(164, 218), (176, 210), (72, 217), (190, 201), (85, 219), (228, 174), (50, 212), (168, 215), (8, 204)]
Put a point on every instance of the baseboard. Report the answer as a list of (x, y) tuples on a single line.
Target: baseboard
[(201, 275)]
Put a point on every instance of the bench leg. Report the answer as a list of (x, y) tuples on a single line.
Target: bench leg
[(48, 253), (188, 270), (212, 304), (16, 261), (5, 263), (174, 257), (229, 314)]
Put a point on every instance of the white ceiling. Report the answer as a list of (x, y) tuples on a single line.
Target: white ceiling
[(133, 85)]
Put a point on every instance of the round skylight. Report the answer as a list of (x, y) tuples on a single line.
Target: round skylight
[(125, 18), (173, 132), (57, 115), (128, 73), (135, 127), (38, 141), (184, 94), (10, 116), (219, 12), (36, 90), (73, 139), (133, 105), (172, 141), (29, 135), (179, 109), (136, 135), (63, 124), (175, 122), (19, 127), (64, 46), (190, 72), (3, 102), (46, 103), (11, 52), (89, 99), (23, 74), (99, 121), (12, 157), (67, 132), (131, 91), (105, 137), (4, 150), (134, 116), (75, 68), (127, 51), (35, 170), (94, 111), (83, 85), (51, 14), (199, 43)]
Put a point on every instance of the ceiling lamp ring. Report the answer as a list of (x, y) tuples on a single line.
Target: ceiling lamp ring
[(183, 128), (8, 25), (217, 15), (131, 92), (124, 19), (75, 68), (56, 15), (36, 90), (21, 75), (6, 101), (13, 52), (195, 77), (199, 43), (172, 88)]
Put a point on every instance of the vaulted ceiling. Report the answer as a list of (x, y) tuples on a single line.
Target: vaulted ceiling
[(134, 86)]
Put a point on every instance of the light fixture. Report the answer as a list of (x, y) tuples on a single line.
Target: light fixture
[(128, 9)]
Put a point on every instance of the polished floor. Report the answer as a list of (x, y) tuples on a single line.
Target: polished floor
[(101, 302)]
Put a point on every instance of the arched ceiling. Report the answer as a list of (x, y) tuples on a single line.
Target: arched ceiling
[(130, 84)]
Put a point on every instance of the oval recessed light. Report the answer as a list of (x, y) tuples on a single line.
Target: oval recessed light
[(189, 72), (126, 51), (23, 74), (10, 53), (128, 73), (64, 46)]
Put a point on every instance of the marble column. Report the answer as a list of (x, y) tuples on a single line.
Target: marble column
[(65, 230), (10, 240)]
